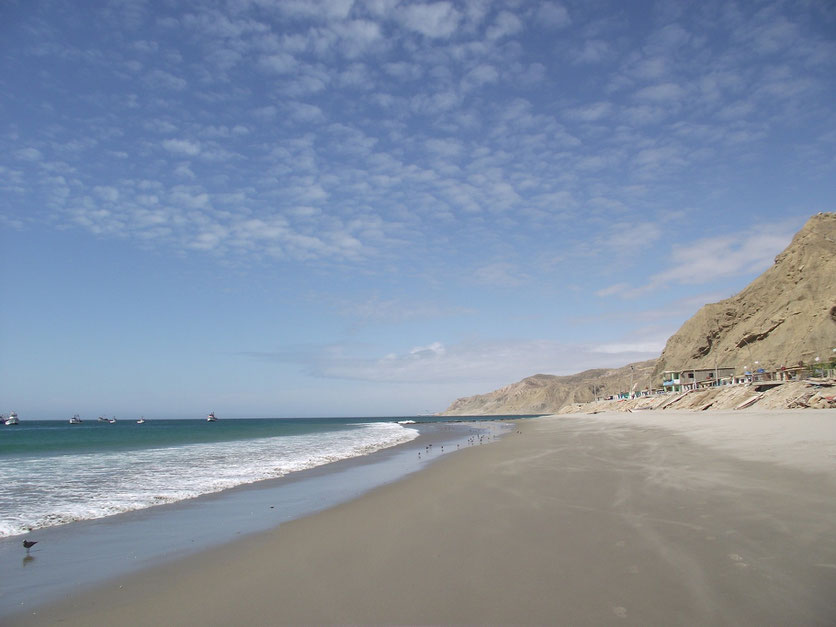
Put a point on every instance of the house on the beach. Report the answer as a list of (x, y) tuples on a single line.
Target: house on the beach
[(693, 378)]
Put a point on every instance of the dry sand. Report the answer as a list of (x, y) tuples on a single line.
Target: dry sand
[(581, 520)]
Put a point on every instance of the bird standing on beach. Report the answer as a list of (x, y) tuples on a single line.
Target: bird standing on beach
[(28, 544)]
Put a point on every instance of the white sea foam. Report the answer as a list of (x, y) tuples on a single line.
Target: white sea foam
[(46, 491)]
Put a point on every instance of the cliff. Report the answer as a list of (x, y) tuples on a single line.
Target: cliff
[(785, 316), (544, 393)]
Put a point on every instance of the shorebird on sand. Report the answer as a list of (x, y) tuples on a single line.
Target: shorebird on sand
[(28, 544)]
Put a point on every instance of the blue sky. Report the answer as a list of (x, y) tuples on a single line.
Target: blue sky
[(373, 207)]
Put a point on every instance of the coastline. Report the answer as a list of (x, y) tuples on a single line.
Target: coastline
[(77, 557), (570, 519)]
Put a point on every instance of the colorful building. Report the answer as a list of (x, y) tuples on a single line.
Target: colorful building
[(692, 378)]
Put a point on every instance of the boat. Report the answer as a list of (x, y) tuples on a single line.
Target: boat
[(211, 417), (102, 419), (75, 420), (112, 420), (12, 420), (141, 421)]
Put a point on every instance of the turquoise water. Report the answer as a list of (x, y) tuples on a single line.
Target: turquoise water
[(56, 473), (64, 481), (36, 437)]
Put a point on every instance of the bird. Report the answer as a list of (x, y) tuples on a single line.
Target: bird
[(28, 544)]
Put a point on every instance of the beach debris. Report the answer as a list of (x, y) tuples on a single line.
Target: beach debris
[(750, 401)]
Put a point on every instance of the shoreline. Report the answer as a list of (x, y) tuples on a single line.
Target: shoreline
[(79, 556), (569, 519)]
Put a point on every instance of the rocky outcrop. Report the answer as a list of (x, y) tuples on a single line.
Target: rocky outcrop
[(818, 394), (785, 316), (545, 394)]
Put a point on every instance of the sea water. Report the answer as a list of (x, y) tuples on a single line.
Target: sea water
[(55, 472), (103, 500)]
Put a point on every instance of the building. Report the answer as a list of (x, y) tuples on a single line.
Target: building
[(691, 379)]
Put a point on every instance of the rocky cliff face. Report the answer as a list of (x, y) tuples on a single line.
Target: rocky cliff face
[(544, 393), (785, 316)]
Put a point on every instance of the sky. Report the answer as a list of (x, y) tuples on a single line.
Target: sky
[(374, 207)]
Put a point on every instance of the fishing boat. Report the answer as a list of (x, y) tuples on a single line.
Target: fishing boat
[(75, 420), (112, 420), (102, 419), (141, 421), (211, 417), (12, 420)]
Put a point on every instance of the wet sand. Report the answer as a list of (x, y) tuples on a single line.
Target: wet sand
[(582, 520)]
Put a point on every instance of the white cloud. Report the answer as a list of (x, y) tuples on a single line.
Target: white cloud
[(159, 126), (357, 36), (712, 259), (482, 74), (715, 258), (12, 223), (380, 8), (29, 154), (209, 239), (189, 197), (500, 274), (160, 79), (591, 112), (612, 290), (106, 193), (434, 103), (450, 148), (304, 112), (184, 171), (771, 35), (592, 51), (495, 363), (435, 20), (650, 347), (650, 68), (670, 39), (659, 157), (357, 75), (279, 63), (553, 14), (505, 24), (434, 350), (663, 92), (320, 9), (182, 146), (403, 70)]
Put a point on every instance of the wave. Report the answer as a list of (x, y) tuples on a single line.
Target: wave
[(51, 490)]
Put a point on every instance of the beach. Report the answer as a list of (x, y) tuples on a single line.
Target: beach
[(681, 518)]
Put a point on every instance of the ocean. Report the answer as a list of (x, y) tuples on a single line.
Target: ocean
[(55, 472), (104, 499)]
